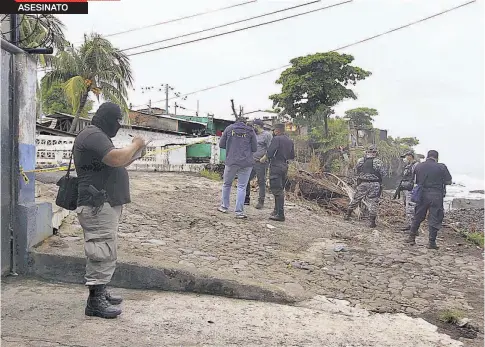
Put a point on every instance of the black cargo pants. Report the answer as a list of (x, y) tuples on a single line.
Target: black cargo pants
[(278, 172), (432, 202)]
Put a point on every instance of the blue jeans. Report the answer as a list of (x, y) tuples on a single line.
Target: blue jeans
[(230, 173)]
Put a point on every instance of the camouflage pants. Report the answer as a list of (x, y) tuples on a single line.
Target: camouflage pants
[(409, 206), (371, 192), (100, 241)]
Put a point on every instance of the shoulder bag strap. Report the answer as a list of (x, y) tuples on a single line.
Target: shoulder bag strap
[(70, 162)]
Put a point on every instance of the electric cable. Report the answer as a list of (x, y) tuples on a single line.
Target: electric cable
[(222, 25), (241, 29), (336, 49), (180, 18)]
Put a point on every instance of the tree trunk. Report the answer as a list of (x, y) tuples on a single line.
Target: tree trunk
[(84, 99), (325, 122)]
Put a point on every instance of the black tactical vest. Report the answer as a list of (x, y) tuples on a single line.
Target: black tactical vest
[(368, 168), (407, 174)]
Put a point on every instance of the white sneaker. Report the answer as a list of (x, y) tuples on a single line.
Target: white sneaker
[(222, 209)]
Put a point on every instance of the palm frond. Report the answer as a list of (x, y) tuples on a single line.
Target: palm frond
[(74, 89)]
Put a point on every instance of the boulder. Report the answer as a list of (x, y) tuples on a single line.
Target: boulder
[(481, 191), (461, 203)]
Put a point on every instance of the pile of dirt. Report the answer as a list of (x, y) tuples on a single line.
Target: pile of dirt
[(470, 220)]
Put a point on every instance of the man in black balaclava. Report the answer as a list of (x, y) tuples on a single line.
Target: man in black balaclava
[(103, 190)]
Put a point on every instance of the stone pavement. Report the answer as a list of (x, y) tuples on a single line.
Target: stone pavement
[(173, 222), (40, 314)]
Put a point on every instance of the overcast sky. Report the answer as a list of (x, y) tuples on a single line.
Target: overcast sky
[(427, 80)]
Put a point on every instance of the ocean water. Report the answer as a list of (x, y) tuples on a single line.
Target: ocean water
[(461, 187)]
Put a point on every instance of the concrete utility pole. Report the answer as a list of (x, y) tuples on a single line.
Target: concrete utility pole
[(166, 99), (150, 106), (176, 108)]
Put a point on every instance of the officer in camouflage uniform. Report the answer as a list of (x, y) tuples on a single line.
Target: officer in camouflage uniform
[(407, 185), (370, 171)]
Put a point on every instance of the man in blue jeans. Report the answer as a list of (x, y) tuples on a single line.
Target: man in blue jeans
[(239, 141)]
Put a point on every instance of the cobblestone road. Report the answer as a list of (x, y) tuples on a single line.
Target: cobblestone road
[(173, 220)]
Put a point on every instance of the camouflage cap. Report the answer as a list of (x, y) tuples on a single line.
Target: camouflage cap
[(411, 153), (372, 148)]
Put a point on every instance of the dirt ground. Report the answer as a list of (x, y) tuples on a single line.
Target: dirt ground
[(173, 220), (41, 314)]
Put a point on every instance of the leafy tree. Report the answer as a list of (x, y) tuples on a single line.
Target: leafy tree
[(96, 67), (408, 142), (54, 100), (361, 117), (338, 135), (316, 83)]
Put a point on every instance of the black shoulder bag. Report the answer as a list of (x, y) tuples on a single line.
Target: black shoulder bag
[(67, 193)]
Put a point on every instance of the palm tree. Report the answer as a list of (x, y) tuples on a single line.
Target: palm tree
[(95, 67), (42, 31)]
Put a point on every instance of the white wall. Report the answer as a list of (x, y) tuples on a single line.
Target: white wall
[(52, 151)]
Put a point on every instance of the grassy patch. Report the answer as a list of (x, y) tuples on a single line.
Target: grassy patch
[(475, 237), (212, 175), (450, 316)]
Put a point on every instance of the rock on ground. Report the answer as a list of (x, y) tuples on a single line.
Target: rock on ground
[(39, 314)]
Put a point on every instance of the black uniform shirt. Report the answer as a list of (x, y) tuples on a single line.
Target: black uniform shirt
[(281, 149), (432, 175)]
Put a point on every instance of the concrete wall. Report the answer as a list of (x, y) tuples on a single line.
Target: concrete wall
[(165, 152), (5, 162), (26, 215)]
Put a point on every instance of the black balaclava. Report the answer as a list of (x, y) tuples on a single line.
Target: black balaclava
[(107, 118)]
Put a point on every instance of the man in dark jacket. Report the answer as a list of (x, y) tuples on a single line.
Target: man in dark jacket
[(280, 152), (102, 191), (239, 141), (433, 178)]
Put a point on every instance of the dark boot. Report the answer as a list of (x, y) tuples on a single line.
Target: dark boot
[(411, 239), (260, 204), (406, 228), (279, 212), (348, 214), (433, 232), (97, 304), (112, 299), (372, 223), (247, 200), (277, 218)]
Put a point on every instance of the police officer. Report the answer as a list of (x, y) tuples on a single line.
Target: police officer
[(280, 151), (370, 171), (407, 185), (432, 177), (260, 167)]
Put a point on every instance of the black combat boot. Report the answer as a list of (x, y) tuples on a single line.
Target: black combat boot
[(279, 212), (433, 232), (411, 239), (260, 204), (372, 223), (98, 305), (112, 299), (348, 214), (247, 201)]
